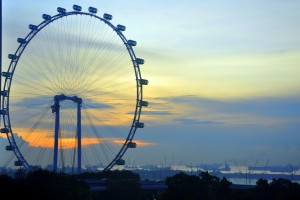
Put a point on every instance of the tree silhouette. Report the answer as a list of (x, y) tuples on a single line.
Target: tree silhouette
[(189, 187)]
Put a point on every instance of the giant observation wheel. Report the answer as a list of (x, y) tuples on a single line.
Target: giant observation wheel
[(72, 94)]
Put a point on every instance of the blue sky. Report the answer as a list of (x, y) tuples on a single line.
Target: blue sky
[(223, 75)]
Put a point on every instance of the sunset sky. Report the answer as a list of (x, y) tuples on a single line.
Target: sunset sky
[(223, 76)]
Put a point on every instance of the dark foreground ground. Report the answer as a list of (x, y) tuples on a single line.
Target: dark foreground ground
[(126, 185)]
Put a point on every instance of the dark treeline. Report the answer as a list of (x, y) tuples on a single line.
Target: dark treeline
[(125, 185), (43, 184), (47, 185), (205, 186)]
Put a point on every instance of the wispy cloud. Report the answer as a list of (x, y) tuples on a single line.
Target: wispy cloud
[(195, 122), (267, 106), (157, 112), (192, 109), (38, 102)]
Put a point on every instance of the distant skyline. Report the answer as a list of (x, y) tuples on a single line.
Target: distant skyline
[(223, 76)]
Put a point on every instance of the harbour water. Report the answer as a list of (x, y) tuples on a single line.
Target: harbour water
[(237, 174)]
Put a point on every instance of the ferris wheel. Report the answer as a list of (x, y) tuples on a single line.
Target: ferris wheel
[(73, 93)]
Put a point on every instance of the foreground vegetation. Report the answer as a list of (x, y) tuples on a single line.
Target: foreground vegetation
[(123, 185), (191, 187)]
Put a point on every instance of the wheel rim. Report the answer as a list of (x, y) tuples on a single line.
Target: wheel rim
[(79, 54)]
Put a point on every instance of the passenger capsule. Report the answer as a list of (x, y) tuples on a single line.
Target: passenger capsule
[(6, 74), (61, 10), (76, 8), (93, 10), (139, 61), (4, 93), (143, 82), (121, 27), (21, 41), (144, 103), (131, 42), (10, 148), (46, 17), (4, 130), (12, 56), (120, 162), (131, 145), (18, 163), (32, 27), (139, 125), (3, 112), (107, 16)]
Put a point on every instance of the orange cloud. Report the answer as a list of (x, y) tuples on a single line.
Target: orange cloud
[(69, 143), (3, 136), (42, 138)]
